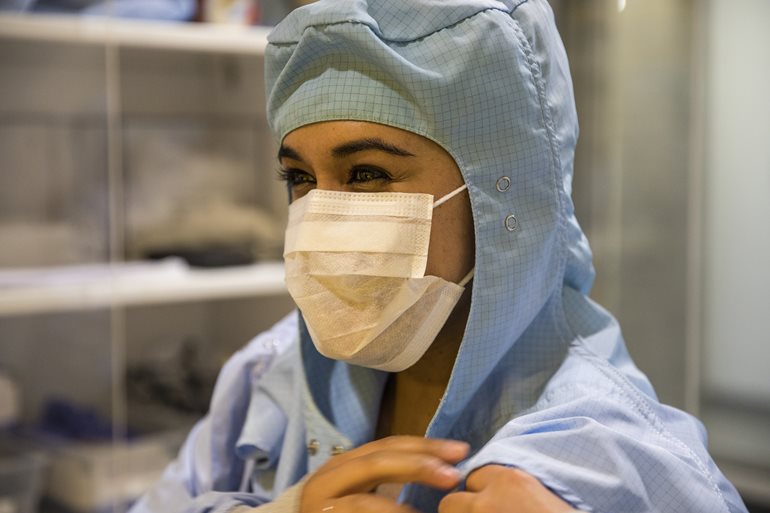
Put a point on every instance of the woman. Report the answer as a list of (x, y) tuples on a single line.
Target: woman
[(436, 261)]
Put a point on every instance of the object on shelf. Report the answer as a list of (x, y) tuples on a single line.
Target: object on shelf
[(178, 381), (238, 12), (62, 419), (217, 255), (16, 5), (212, 234), (85, 476), (92, 467), (247, 12), (96, 476), (195, 189), (166, 10)]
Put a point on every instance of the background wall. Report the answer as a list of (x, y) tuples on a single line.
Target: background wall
[(736, 239), (672, 185), (632, 77)]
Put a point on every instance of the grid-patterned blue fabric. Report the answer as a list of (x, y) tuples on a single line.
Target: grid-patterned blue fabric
[(542, 380)]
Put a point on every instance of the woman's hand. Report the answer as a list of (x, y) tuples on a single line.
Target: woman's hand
[(498, 489), (345, 483)]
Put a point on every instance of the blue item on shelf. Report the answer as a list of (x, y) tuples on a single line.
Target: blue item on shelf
[(166, 10), (169, 10), (63, 419)]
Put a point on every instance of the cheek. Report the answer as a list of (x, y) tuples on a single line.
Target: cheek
[(452, 250)]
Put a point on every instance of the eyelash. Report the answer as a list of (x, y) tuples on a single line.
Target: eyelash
[(379, 174), (295, 177)]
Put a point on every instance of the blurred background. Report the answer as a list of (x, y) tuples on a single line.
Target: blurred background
[(141, 223)]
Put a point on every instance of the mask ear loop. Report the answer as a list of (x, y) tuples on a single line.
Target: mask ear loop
[(440, 202), (449, 196), (467, 277)]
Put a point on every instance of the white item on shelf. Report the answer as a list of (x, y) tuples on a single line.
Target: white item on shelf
[(215, 222), (87, 477)]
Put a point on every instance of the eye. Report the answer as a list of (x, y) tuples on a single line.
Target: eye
[(365, 174), (295, 177)]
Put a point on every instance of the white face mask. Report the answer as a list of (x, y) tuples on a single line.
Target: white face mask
[(355, 266)]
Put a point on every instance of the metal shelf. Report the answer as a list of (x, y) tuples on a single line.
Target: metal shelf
[(61, 289), (197, 37)]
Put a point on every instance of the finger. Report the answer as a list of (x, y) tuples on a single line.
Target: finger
[(451, 451), (457, 502), (362, 474), (503, 487), (365, 503), (484, 476)]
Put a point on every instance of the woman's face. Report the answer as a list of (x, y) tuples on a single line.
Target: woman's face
[(357, 156)]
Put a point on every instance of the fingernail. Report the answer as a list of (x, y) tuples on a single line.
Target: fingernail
[(449, 472)]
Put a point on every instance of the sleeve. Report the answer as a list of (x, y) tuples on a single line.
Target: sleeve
[(612, 451)]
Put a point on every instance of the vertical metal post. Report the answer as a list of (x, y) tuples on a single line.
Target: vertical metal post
[(116, 227), (695, 194)]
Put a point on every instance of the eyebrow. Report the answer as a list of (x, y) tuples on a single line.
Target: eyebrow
[(372, 143), (286, 152), (350, 148)]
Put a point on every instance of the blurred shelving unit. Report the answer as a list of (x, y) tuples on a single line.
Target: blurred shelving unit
[(119, 138)]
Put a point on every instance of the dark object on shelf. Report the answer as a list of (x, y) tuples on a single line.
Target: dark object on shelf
[(210, 256), (178, 383)]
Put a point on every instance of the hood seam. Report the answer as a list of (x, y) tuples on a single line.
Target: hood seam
[(375, 29), (539, 82)]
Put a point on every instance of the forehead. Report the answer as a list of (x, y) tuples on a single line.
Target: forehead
[(325, 136)]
